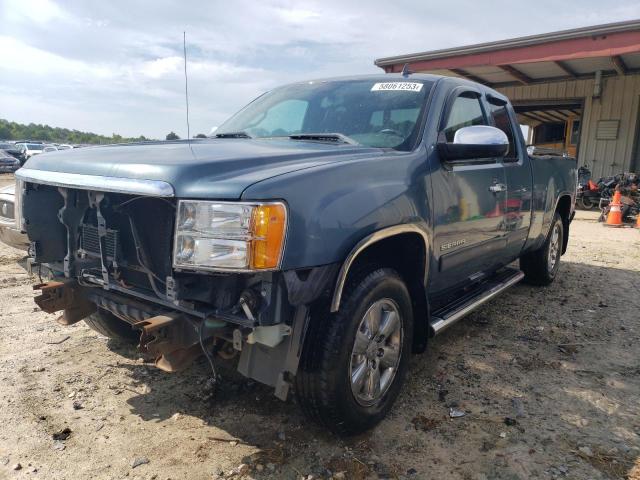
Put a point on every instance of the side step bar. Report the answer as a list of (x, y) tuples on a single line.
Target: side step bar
[(447, 316)]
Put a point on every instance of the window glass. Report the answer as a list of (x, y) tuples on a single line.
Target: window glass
[(575, 132), (501, 120), (549, 133), (371, 113), (398, 120), (283, 118), (465, 112)]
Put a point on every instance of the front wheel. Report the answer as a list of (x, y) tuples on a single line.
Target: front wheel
[(108, 325), (541, 266), (354, 362)]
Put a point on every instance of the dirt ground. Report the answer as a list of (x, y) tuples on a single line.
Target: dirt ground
[(548, 378)]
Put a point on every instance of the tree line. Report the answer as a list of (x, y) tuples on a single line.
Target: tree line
[(18, 131)]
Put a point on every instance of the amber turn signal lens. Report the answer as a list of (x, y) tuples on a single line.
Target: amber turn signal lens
[(269, 226)]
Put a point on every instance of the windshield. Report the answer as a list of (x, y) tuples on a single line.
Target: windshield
[(34, 146), (371, 113)]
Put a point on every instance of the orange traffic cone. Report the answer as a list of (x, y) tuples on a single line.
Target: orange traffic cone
[(495, 213), (638, 221), (614, 218)]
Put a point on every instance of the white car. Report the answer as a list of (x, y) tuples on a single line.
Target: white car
[(28, 150), (9, 234)]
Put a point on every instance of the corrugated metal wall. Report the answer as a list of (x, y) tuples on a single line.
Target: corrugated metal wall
[(619, 100)]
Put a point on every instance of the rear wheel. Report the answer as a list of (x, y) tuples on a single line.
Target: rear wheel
[(541, 266), (354, 362), (107, 324)]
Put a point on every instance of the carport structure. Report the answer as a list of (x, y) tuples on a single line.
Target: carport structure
[(578, 90)]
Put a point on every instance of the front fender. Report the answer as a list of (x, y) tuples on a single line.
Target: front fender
[(332, 207)]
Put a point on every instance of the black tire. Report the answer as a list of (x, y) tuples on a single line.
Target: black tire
[(587, 203), (323, 383), (107, 324), (537, 265)]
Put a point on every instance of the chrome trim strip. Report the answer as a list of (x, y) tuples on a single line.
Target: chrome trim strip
[(440, 324), (364, 243), (151, 188)]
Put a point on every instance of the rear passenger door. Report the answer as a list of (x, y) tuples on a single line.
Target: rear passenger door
[(468, 196), (519, 181)]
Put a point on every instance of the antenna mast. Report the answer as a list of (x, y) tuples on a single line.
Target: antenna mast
[(186, 84)]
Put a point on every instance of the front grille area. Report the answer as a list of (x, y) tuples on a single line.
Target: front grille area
[(90, 241), (7, 209), (138, 241)]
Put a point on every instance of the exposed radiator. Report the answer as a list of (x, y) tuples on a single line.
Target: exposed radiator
[(90, 241)]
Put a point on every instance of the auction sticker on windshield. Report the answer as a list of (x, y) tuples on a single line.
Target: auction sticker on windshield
[(408, 86)]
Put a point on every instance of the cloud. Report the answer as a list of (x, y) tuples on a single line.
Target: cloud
[(117, 66)]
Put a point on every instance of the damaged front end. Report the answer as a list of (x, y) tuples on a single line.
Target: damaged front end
[(115, 251)]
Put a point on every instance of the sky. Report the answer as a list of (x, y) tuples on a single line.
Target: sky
[(116, 66)]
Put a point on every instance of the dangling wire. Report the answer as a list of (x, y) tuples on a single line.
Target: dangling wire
[(206, 353)]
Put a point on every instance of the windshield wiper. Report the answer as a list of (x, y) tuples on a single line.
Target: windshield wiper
[(233, 135), (324, 137)]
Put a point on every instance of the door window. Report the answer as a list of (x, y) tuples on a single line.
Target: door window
[(501, 120), (465, 112)]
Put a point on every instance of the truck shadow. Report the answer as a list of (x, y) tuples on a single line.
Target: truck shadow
[(555, 360)]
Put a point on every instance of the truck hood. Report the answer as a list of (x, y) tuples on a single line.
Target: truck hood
[(213, 168)]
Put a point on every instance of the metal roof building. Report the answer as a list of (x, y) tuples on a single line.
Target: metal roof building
[(578, 90)]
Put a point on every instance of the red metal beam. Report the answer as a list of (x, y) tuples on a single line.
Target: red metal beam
[(590, 47)]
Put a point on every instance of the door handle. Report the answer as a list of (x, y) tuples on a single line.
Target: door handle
[(498, 187)]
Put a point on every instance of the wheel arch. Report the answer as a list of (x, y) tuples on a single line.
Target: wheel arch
[(404, 248), (563, 208)]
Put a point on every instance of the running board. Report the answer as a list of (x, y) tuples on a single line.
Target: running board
[(447, 316)]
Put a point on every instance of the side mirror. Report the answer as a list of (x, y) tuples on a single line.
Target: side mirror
[(477, 141)]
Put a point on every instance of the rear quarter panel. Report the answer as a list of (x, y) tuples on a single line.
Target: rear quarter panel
[(553, 177)]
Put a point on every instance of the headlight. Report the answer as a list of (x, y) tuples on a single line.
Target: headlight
[(229, 236)]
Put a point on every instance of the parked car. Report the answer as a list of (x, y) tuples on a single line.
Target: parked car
[(10, 148), (9, 233), (65, 147), (8, 163), (50, 148), (326, 233), (28, 150)]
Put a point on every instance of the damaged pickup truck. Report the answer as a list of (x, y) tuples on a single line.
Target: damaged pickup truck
[(327, 232)]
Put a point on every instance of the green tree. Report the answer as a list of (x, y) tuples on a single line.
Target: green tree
[(200, 135), (172, 136), (17, 131)]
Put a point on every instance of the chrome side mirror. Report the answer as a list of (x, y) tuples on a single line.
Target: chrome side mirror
[(475, 142)]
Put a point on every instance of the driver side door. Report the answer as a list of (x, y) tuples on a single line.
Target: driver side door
[(468, 195)]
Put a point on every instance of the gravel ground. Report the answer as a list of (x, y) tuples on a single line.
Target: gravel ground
[(548, 379)]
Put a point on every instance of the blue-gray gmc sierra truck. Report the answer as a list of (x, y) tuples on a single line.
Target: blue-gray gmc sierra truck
[(328, 231)]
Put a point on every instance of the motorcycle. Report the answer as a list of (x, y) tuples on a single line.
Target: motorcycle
[(588, 195)]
